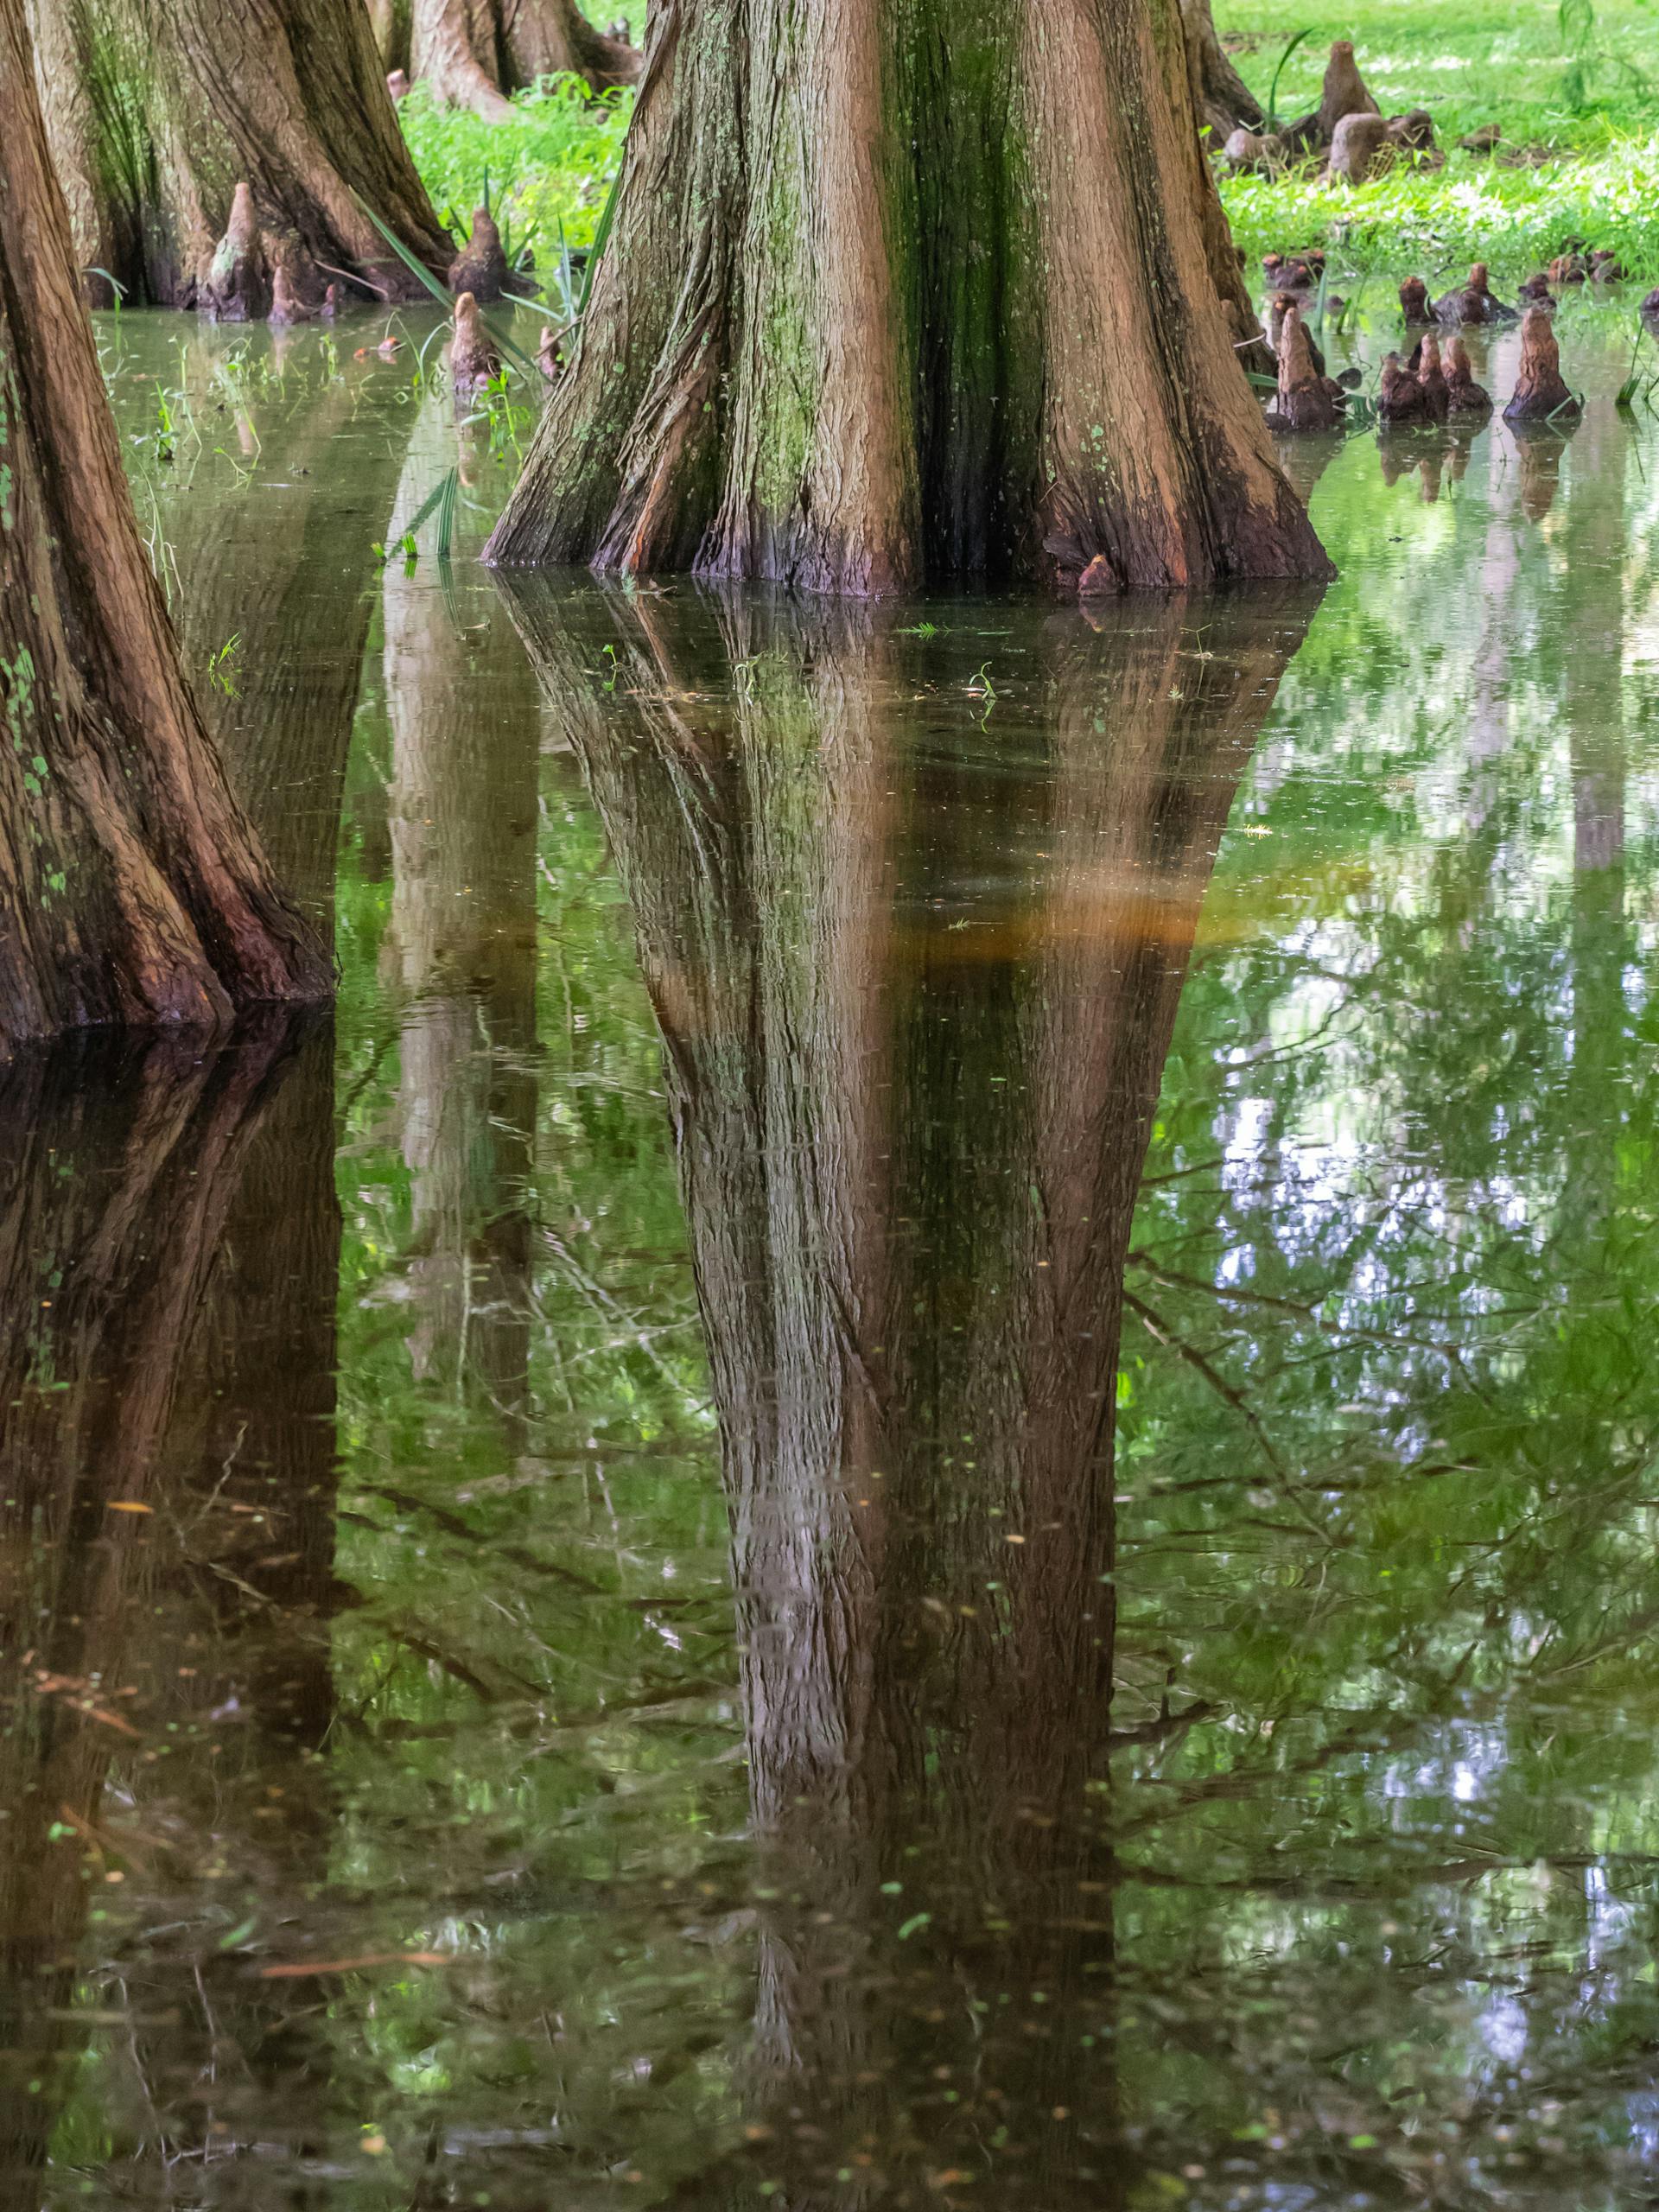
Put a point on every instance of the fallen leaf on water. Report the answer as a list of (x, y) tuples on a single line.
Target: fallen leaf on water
[(301, 1968)]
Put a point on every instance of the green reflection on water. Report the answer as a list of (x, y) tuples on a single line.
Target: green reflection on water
[(672, 1680)]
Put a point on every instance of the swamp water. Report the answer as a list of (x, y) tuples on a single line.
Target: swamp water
[(593, 1613)]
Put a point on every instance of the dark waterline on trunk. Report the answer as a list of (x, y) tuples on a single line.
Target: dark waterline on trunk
[(916, 1468)]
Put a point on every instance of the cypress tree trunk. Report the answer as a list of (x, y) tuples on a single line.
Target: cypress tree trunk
[(132, 887), (1224, 101), (960, 313), (156, 113), (474, 53)]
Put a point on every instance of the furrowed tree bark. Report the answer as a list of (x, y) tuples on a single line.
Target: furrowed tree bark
[(157, 112), (961, 314), (132, 887), (1225, 102), (475, 53)]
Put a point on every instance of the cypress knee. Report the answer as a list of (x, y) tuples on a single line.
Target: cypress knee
[(1400, 397), (1431, 377), (474, 362), (1306, 398), (480, 268), (1467, 396), (1541, 390)]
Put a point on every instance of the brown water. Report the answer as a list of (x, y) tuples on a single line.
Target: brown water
[(594, 1609)]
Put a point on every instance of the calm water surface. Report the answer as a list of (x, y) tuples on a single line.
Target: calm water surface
[(917, 1466)]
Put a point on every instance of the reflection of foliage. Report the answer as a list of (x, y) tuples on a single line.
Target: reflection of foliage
[(1389, 1428), (538, 1674), (1381, 1805)]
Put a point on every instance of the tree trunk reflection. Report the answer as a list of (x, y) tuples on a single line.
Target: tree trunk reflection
[(168, 1262), (463, 803), (916, 1000)]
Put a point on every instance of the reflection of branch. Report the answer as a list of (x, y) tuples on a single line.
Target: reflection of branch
[(1174, 1279), (453, 1525), (1350, 1891), (1160, 1332)]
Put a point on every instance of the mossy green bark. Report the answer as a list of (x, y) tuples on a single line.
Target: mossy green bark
[(900, 289)]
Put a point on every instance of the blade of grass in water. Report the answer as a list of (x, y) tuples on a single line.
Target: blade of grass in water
[(597, 247), (441, 491)]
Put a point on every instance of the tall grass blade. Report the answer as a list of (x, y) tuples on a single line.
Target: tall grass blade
[(448, 499), (596, 251), (429, 506), (566, 271), (1273, 95)]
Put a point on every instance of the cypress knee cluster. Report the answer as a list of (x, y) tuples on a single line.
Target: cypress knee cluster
[(970, 308)]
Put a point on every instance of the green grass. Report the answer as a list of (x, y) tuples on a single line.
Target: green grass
[(552, 164), (1580, 81)]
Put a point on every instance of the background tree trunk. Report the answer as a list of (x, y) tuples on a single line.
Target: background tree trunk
[(474, 53), (132, 887), (155, 114), (1224, 101), (960, 313)]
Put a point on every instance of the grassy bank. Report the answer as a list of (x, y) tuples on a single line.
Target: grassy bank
[(1574, 88)]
